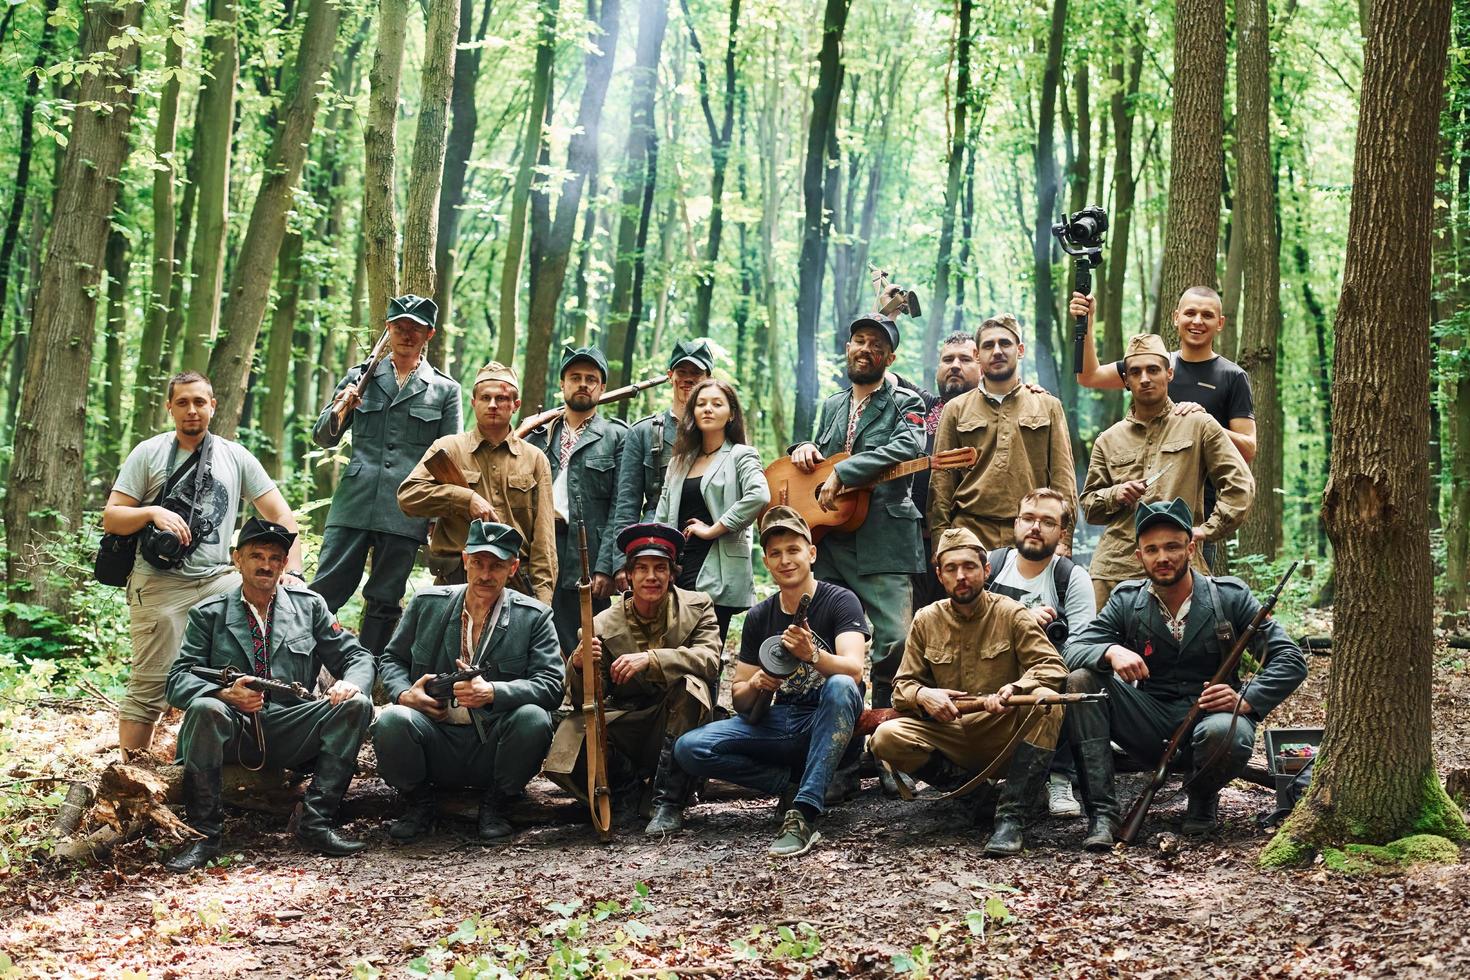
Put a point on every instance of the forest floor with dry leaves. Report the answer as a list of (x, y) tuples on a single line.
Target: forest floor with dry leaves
[(893, 889)]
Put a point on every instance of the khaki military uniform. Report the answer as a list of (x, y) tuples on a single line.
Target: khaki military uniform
[(979, 649), (674, 695), (1190, 450), (1022, 444), (514, 476)]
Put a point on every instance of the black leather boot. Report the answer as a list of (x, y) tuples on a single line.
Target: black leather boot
[(1024, 781), (205, 809), (671, 787), (319, 808), (1099, 797), (377, 628), (493, 825), (418, 814), (1201, 818)]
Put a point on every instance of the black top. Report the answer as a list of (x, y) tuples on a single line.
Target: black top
[(1219, 384), (833, 611), (692, 505)]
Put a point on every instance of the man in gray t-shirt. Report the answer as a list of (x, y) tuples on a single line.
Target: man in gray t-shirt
[(159, 599)]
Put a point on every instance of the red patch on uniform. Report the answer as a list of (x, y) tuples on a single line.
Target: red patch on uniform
[(336, 626), (1148, 648), (914, 418)]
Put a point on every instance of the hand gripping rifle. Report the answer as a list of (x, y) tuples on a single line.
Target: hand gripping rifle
[(227, 676), (599, 796), (380, 351), (1133, 823), (616, 395)]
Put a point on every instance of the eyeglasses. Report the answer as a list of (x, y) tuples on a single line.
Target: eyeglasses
[(1045, 523)]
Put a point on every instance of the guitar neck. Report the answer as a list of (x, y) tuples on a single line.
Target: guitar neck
[(899, 470)]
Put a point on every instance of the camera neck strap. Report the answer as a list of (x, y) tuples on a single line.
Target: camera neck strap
[(177, 476)]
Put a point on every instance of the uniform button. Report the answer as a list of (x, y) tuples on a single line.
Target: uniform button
[(391, 447)]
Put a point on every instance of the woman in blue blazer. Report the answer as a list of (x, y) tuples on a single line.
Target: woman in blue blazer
[(714, 491)]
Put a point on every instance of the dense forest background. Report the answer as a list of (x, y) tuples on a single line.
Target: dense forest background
[(633, 172)]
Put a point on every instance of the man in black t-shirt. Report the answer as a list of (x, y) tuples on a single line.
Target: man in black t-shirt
[(794, 748)]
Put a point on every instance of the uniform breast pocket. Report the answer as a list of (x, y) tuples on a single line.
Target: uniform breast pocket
[(424, 423), (973, 425), (602, 475), (943, 664), (296, 657), (369, 415), (510, 668), (1036, 435), (518, 489)]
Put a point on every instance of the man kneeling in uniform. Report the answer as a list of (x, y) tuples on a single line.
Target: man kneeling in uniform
[(975, 644), (659, 652), (1168, 634), (262, 628), (494, 731)]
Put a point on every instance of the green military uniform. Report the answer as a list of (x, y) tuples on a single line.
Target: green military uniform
[(1142, 719), (502, 745), (391, 430), (591, 486), (878, 559)]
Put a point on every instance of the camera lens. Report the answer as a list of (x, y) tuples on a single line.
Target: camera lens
[(167, 544)]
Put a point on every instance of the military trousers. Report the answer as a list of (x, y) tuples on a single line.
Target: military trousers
[(343, 557), (214, 733), (972, 742), (887, 599), (414, 749), (1143, 721)]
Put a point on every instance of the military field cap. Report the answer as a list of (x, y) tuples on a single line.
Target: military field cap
[(571, 355), (955, 538), (878, 321), (1005, 321), (257, 529), (501, 540), (696, 352), (1146, 343), (1174, 513), (651, 538), (419, 309), (783, 518), (495, 371)]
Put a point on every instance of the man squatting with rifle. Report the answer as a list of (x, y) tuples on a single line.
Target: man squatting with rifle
[(396, 403), (658, 649), (495, 476), (272, 635)]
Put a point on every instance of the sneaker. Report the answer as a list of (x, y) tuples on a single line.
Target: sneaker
[(796, 838), (1059, 799)]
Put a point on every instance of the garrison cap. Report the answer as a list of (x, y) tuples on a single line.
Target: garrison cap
[(1175, 513), (1001, 321), (879, 322), (495, 371), (783, 518), (419, 309), (1146, 343), (501, 540), (571, 355), (257, 529), (696, 352), (955, 538), (651, 538)]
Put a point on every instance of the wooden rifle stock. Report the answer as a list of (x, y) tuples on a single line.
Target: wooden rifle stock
[(871, 718), (599, 796), (380, 350), (445, 470), (1133, 823), (616, 395)]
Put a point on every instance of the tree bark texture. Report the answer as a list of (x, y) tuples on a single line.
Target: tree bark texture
[(272, 386), (954, 164), (214, 120), (815, 228), (1045, 172), (1261, 268), (249, 291), (45, 485), (421, 214), (1375, 778), (551, 251), (1192, 230), (118, 260), (719, 137), (1126, 78), (380, 153)]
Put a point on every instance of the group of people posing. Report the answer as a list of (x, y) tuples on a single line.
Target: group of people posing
[(956, 593)]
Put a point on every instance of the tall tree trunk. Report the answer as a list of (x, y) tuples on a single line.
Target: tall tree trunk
[(214, 121), (551, 248), (45, 487), (278, 351), (465, 120), (768, 136), (117, 261), (380, 155), (531, 143), (1045, 169), (638, 174), (953, 173), (967, 237), (719, 138), (1230, 285), (1126, 78), (421, 214), (151, 367), (1381, 788), (1256, 205), (1192, 232), (250, 283), (815, 226), (173, 340)]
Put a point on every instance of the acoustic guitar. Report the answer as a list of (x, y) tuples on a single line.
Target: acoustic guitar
[(798, 490)]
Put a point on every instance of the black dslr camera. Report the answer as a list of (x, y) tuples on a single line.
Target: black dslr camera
[(1057, 632), (165, 550), (1081, 236)]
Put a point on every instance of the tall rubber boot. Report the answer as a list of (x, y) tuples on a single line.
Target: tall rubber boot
[(1099, 796), (323, 797), (204, 806), (1023, 784)]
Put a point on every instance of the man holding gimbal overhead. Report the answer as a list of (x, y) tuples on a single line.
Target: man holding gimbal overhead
[(180, 493)]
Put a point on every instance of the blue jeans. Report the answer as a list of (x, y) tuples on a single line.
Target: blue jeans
[(764, 756)]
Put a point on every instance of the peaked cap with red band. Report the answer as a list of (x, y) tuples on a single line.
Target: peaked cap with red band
[(651, 538)]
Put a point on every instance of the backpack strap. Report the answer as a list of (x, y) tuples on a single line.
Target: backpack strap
[(1061, 580), (997, 560), (1224, 629)]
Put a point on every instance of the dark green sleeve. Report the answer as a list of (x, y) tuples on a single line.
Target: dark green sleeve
[(1284, 669), (905, 443), (608, 560), (183, 685), (1089, 647), (322, 433), (628, 503), (545, 673), (339, 649)]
